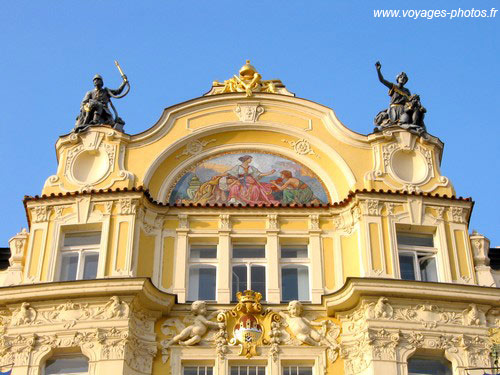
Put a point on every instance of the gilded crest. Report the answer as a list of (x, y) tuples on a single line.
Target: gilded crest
[(248, 324)]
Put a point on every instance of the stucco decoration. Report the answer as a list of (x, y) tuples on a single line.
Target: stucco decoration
[(193, 333), (304, 331), (90, 158), (404, 162), (370, 346), (249, 112), (249, 177)]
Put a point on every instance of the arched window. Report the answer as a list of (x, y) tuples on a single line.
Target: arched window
[(67, 365), (428, 366)]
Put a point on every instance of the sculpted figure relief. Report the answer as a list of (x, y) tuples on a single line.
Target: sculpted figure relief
[(303, 328), (193, 334), (405, 110), (95, 106)]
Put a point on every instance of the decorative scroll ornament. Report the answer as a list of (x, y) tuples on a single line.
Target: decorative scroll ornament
[(249, 81), (194, 147), (301, 147), (248, 322)]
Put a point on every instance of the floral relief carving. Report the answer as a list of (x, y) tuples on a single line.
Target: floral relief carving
[(272, 222), (127, 206), (40, 214), (301, 147), (457, 214), (24, 315), (194, 147), (69, 313), (373, 207)]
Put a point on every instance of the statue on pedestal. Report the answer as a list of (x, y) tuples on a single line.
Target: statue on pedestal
[(95, 106), (405, 110)]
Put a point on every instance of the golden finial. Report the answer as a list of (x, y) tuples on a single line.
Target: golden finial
[(247, 70)]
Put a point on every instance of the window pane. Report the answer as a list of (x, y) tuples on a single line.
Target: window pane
[(69, 264), (252, 371), (239, 280), (82, 239), (305, 371), (203, 252), (234, 370), (421, 366), (207, 284), (294, 251), (262, 370), (407, 267), (258, 279), (249, 251), (289, 284), (415, 239), (191, 371), (90, 266), (78, 364), (197, 370), (202, 283), (428, 269)]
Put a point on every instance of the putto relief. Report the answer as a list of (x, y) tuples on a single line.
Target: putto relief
[(248, 178)]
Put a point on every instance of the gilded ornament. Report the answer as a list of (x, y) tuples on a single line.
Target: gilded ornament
[(248, 81)]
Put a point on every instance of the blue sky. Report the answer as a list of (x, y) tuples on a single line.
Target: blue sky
[(322, 50)]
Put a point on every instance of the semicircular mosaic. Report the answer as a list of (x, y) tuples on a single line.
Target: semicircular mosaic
[(248, 177)]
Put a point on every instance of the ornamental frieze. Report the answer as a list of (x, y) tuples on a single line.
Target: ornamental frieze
[(250, 327)]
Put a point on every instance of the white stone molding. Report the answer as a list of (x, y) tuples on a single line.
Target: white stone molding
[(14, 274), (114, 335), (90, 158), (415, 212), (370, 344), (249, 111), (406, 163), (480, 246)]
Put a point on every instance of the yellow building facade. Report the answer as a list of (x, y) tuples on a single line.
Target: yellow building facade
[(248, 232)]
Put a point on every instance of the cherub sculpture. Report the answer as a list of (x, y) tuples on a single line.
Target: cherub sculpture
[(303, 329), (193, 334)]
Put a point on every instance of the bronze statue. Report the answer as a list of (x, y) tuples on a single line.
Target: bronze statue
[(94, 109), (405, 110)]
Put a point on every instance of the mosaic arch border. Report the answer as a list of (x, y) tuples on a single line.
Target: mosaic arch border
[(166, 191)]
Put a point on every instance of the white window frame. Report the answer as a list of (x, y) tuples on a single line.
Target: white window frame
[(201, 263), (297, 367), (295, 263), (415, 251), (203, 368), (256, 366), (82, 251), (65, 357), (249, 262)]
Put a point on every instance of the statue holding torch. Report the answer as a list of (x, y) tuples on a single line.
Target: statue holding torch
[(95, 106)]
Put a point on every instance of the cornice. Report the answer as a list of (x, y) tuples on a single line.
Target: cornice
[(349, 295), (139, 288)]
